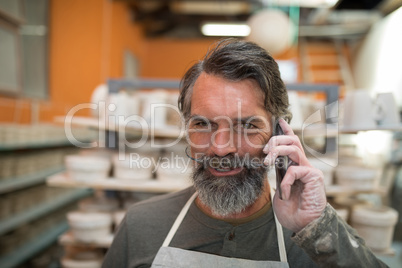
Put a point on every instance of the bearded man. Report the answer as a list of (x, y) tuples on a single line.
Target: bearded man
[(233, 101)]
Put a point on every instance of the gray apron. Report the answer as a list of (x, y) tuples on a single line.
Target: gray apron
[(170, 257)]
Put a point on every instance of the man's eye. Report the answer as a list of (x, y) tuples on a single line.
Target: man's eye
[(201, 124), (247, 126)]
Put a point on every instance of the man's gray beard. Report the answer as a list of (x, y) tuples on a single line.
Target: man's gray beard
[(230, 194)]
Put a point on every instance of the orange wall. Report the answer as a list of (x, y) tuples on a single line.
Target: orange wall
[(87, 47), (87, 40), (170, 58), (76, 47), (123, 35)]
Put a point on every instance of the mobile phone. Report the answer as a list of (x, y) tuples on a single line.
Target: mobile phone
[(281, 162)]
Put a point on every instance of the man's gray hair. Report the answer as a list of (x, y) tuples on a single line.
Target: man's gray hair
[(236, 60)]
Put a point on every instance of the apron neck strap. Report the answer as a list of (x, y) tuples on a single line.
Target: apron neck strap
[(279, 232), (178, 221)]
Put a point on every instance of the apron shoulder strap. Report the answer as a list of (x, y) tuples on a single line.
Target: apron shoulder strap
[(178, 220), (279, 233)]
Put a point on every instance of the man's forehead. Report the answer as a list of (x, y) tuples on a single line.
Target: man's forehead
[(249, 119), (216, 98)]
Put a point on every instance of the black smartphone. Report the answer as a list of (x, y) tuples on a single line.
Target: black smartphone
[(281, 162)]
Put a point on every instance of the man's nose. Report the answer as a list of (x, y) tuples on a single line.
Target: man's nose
[(223, 142)]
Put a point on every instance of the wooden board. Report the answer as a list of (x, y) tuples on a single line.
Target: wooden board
[(150, 186)]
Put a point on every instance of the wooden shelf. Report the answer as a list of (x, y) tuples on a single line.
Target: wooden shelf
[(42, 209), (312, 130), (35, 145), (349, 130), (392, 256), (33, 247), (20, 182), (155, 186), (150, 186), (315, 130), (338, 190), (68, 239), (390, 252), (165, 132)]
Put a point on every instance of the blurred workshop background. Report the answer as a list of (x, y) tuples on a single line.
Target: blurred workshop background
[(69, 68)]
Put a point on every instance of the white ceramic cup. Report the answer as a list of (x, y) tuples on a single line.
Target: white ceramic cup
[(295, 108), (359, 110), (99, 95), (154, 107), (388, 114)]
